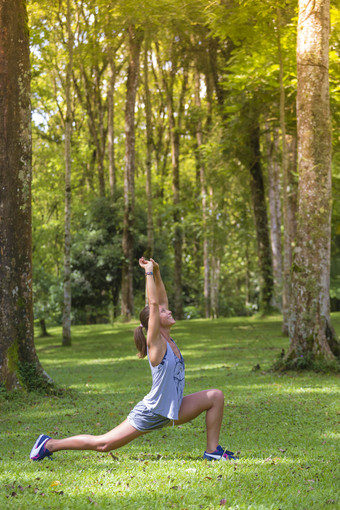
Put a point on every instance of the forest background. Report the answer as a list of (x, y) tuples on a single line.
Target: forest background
[(211, 91)]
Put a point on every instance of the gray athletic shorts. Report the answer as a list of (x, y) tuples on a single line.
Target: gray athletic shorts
[(141, 418)]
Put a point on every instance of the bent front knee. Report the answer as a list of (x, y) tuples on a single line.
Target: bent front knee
[(218, 396)]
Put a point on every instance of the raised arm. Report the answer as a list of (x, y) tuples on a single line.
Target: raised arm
[(156, 344), (162, 295)]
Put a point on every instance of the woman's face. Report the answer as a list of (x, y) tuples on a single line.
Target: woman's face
[(166, 317)]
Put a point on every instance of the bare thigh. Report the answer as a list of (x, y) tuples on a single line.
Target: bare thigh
[(195, 404)]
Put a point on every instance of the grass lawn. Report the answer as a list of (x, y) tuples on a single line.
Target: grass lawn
[(286, 427)]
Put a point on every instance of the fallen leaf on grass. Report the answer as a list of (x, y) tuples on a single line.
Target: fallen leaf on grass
[(55, 483)]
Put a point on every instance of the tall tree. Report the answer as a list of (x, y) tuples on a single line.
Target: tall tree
[(203, 193), (311, 333), (92, 65), (135, 40), (18, 359), (251, 158), (66, 340), (175, 116), (274, 193), (290, 219), (110, 122), (288, 165)]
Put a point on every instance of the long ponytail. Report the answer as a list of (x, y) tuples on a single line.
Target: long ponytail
[(138, 335)]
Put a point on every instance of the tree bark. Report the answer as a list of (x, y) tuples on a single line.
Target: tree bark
[(110, 126), (175, 135), (251, 158), (43, 328), (19, 363), (288, 163), (274, 193), (215, 285), (311, 333), (91, 101), (214, 259), (203, 196), (135, 41), (289, 218), (66, 339)]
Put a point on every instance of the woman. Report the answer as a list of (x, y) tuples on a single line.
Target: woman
[(165, 402)]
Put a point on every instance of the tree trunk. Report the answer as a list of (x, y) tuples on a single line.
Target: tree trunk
[(149, 146), (178, 234), (43, 329), (215, 285), (135, 41), (289, 216), (110, 126), (274, 194), (19, 363), (203, 196), (175, 136), (288, 163), (91, 101), (66, 340), (311, 333), (251, 158)]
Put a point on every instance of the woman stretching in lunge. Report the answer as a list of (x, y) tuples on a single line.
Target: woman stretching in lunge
[(165, 403)]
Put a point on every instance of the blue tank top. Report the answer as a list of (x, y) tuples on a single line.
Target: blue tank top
[(166, 394)]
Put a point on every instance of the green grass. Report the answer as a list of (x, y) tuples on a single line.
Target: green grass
[(284, 425)]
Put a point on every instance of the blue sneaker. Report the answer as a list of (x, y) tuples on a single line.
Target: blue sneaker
[(220, 454), (39, 450)]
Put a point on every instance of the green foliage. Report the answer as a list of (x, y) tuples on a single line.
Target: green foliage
[(191, 312), (283, 424), (48, 295), (97, 257), (243, 64)]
